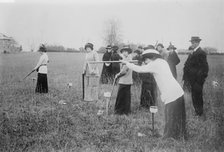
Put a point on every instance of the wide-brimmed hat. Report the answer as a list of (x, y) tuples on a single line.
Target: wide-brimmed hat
[(108, 47), (42, 48), (115, 48), (171, 47), (90, 45), (149, 47), (195, 39), (150, 53), (126, 48)]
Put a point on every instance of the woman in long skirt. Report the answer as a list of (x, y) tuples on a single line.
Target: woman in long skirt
[(171, 93), (91, 74), (41, 68), (123, 100), (148, 92)]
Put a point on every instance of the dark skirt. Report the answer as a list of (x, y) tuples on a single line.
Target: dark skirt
[(42, 86), (147, 95), (149, 90), (123, 100), (175, 119), (136, 78), (106, 75)]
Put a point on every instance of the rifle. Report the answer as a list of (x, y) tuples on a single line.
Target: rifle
[(96, 62), (32, 72), (28, 74)]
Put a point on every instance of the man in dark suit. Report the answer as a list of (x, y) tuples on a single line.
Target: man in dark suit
[(195, 73)]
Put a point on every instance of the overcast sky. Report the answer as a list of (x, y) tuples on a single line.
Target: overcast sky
[(73, 23)]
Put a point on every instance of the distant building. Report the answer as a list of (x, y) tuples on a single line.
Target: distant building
[(8, 45)]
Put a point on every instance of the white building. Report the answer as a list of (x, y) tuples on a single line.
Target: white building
[(8, 44)]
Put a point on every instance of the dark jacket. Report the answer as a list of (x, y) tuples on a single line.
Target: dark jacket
[(106, 75), (173, 60), (115, 66), (196, 67), (135, 75)]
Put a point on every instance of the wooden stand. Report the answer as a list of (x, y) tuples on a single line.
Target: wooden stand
[(91, 87), (107, 96), (153, 110)]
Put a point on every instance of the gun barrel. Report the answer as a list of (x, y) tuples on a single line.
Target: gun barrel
[(97, 62)]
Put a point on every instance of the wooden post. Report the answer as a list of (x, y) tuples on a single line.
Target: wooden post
[(153, 110), (152, 123)]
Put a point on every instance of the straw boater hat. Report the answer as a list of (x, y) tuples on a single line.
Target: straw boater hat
[(149, 53), (108, 47), (195, 39), (126, 48), (42, 48), (89, 45)]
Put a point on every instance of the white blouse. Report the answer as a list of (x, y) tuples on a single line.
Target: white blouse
[(42, 64), (169, 88)]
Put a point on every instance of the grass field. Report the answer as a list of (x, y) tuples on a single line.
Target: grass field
[(34, 122)]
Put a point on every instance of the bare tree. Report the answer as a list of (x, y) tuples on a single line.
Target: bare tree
[(112, 34)]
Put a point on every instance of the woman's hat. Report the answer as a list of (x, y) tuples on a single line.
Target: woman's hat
[(42, 48), (140, 47), (150, 53), (195, 39), (90, 45), (115, 48), (137, 51), (126, 48), (160, 44), (108, 47), (171, 47)]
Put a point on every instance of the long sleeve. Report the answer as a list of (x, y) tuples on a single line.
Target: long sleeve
[(140, 69)]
